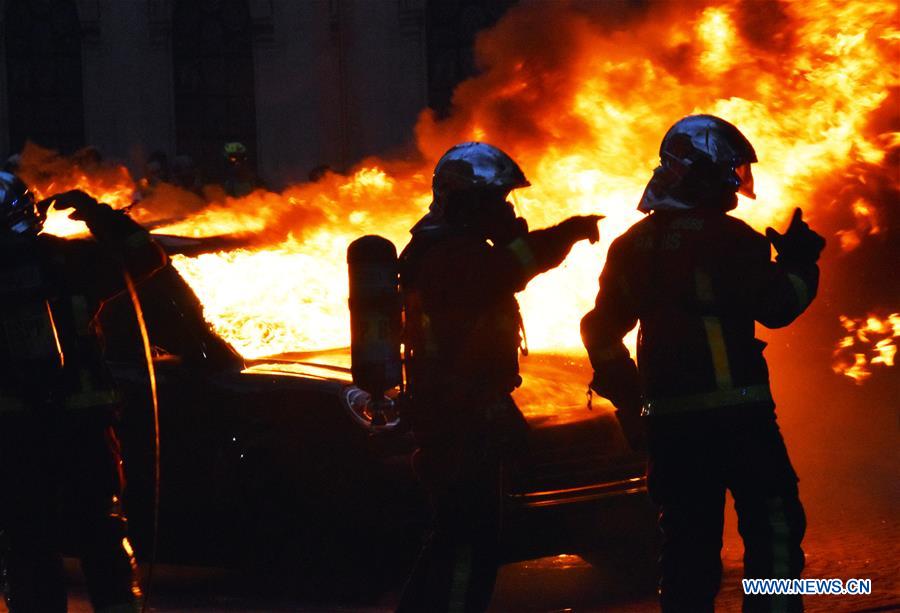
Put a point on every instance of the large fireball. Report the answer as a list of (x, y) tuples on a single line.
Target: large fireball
[(581, 98)]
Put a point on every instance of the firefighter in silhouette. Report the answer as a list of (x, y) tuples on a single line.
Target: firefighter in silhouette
[(459, 275), (697, 280), (60, 466), (240, 179)]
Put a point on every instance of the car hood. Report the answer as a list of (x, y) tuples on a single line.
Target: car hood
[(331, 364), (553, 390)]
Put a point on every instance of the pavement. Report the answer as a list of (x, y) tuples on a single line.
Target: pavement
[(597, 581)]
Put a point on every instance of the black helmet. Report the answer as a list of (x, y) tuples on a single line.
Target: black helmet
[(18, 213), (704, 161), (467, 172)]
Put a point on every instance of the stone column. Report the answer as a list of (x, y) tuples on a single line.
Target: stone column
[(127, 78)]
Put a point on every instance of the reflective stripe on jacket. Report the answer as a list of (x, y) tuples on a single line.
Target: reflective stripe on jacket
[(697, 281)]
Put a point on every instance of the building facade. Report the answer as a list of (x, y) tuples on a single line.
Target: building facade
[(302, 83)]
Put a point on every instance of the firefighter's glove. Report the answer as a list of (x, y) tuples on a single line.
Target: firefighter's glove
[(632, 425), (799, 244), (618, 381), (85, 207), (583, 227)]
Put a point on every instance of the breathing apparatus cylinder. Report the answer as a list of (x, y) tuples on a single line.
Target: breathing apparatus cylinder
[(375, 318)]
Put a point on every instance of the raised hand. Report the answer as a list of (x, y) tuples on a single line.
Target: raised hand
[(83, 204), (799, 242), (585, 227)]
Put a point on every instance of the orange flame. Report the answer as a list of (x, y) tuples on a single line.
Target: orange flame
[(866, 224), (870, 341), (583, 113)]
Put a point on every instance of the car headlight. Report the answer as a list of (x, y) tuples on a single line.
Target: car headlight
[(359, 404)]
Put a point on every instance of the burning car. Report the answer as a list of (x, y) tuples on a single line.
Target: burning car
[(249, 440), (276, 460)]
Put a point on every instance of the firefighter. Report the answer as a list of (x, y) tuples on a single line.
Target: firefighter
[(459, 275), (60, 465), (697, 280), (240, 179)]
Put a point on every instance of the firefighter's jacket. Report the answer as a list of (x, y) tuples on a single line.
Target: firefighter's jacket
[(462, 327), (697, 281), (51, 290)]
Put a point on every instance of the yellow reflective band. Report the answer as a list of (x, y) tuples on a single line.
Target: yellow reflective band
[(716, 340), (86, 400), (80, 400), (523, 253), (780, 533), (780, 549), (801, 291), (704, 286), (610, 353), (462, 571), (81, 315), (84, 377), (430, 343), (11, 405), (136, 240), (709, 400), (714, 335)]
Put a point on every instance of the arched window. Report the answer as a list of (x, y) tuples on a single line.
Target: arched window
[(43, 74), (213, 79)]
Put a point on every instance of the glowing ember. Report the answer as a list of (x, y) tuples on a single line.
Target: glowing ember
[(870, 341), (866, 224), (583, 112)]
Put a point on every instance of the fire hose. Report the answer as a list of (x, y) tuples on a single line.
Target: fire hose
[(43, 206), (154, 398)]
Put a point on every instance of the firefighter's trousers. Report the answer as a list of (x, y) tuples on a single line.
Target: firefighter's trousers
[(462, 467), (694, 458), (62, 480)]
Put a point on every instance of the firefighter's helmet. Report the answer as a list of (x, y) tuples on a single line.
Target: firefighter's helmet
[(235, 152), (701, 155), (18, 212), (467, 179), (469, 166)]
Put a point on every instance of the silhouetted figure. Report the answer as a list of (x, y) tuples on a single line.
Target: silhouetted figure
[(185, 174), (240, 178), (12, 163), (697, 280), (60, 465), (88, 158), (157, 169), (463, 337)]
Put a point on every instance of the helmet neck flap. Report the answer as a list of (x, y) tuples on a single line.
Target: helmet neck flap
[(704, 163)]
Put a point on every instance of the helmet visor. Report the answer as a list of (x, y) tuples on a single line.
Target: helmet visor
[(745, 175)]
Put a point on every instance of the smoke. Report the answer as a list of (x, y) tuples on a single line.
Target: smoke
[(536, 60)]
